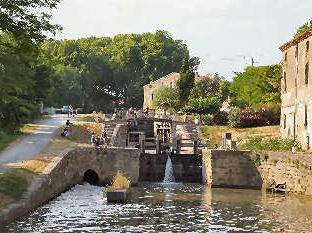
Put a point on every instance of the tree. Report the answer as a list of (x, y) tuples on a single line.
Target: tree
[(166, 98), (202, 106), (113, 70), (303, 28), (26, 20), (23, 80), (187, 78), (256, 86)]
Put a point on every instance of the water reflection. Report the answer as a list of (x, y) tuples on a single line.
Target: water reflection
[(170, 208)]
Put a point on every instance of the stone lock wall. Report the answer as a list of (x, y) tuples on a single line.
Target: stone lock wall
[(230, 169), (68, 169), (245, 169), (187, 168)]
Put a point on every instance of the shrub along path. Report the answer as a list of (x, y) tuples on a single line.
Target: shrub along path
[(31, 145)]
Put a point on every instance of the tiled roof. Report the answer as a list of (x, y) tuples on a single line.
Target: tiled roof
[(296, 40), (170, 74)]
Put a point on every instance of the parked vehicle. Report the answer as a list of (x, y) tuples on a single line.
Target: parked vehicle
[(64, 109)]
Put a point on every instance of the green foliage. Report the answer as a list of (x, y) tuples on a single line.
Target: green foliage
[(207, 119), (26, 20), (6, 139), (273, 144), (256, 86), (12, 185), (23, 79), (207, 95), (187, 78), (166, 98), (234, 118), (303, 28), (202, 106), (101, 73)]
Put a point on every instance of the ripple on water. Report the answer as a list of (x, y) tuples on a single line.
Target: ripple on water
[(174, 207)]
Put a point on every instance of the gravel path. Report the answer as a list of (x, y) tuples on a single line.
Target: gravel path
[(30, 146)]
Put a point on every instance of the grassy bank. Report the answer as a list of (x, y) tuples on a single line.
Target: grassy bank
[(13, 184), (16, 181), (266, 138), (7, 138), (213, 134)]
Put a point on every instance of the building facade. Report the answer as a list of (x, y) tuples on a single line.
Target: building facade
[(296, 90), (170, 80)]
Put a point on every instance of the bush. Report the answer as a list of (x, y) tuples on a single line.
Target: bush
[(119, 182), (273, 144), (220, 118), (234, 119), (202, 106), (249, 117), (207, 119)]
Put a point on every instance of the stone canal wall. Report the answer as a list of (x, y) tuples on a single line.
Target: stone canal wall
[(230, 169), (187, 168), (245, 169), (70, 169)]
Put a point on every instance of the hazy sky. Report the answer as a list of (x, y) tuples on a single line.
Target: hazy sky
[(225, 34)]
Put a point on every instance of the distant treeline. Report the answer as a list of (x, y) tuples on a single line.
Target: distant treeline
[(104, 73)]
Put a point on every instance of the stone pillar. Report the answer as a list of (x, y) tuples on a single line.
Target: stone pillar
[(158, 144), (142, 142), (195, 146), (173, 142), (227, 137)]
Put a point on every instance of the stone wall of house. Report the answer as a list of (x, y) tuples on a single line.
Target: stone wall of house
[(187, 168), (150, 89), (68, 170), (245, 169), (296, 93)]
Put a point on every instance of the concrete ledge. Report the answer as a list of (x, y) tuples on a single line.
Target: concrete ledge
[(117, 195)]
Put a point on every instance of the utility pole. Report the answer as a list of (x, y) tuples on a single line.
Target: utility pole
[(253, 61)]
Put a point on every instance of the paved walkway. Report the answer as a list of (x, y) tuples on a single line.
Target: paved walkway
[(33, 144)]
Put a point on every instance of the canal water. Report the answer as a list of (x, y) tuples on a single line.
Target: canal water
[(170, 208)]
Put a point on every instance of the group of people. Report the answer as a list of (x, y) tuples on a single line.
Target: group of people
[(67, 129), (102, 139)]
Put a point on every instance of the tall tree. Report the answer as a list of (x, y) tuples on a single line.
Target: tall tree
[(256, 86), (23, 80), (187, 78), (26, 19)]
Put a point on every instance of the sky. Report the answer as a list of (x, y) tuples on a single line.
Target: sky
[(224, 34)]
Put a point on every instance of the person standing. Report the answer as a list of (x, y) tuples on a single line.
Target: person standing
[(70, 110), (93, 139)]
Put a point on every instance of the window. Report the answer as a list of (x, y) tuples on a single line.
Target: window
[(171, 85), (306, 74), (307, 46), (161, 83), (308, 142), (152, 96), (306, 116), (296, 53), (284, 125), (285, 58), (285, 81)]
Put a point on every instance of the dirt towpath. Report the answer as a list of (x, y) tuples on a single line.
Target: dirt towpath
[(30, 146)]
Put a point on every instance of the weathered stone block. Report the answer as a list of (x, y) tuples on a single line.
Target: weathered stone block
[(117, 195)]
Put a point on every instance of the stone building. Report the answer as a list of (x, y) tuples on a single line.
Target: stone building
[(296, 90), (170, 80)]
